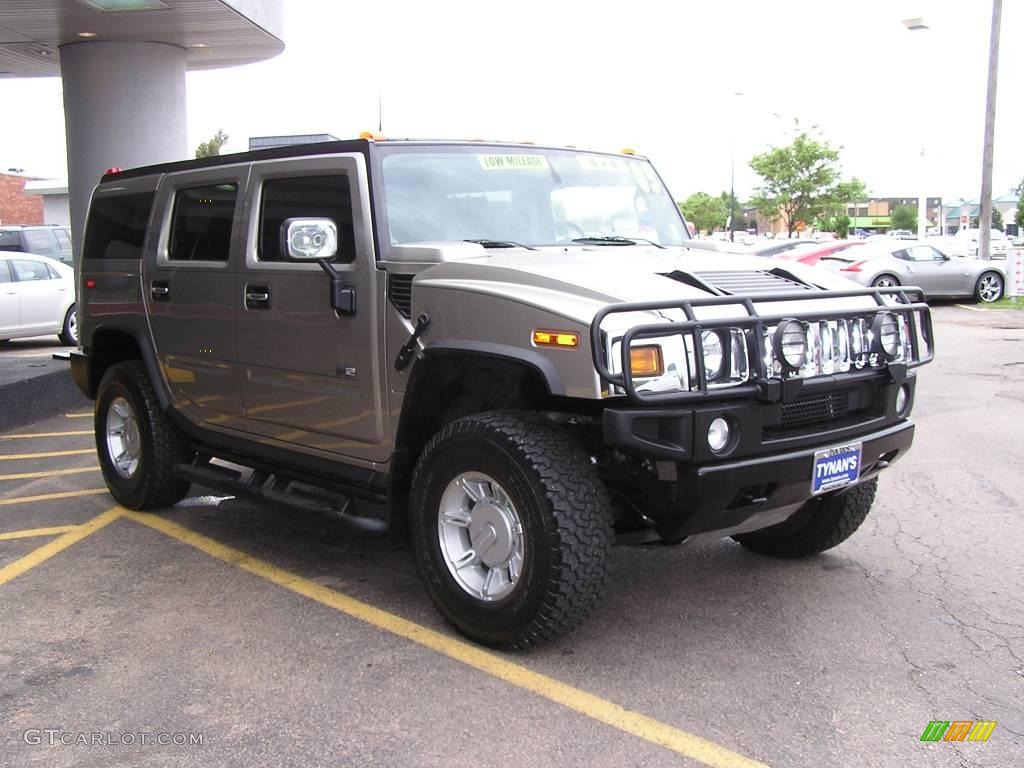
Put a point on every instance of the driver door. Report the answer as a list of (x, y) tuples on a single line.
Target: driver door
[(933, 272), (311, 376)]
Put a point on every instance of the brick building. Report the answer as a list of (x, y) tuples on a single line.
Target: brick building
[(16, 207)]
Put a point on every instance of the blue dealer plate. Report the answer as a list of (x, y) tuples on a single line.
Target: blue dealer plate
[(835, 468)]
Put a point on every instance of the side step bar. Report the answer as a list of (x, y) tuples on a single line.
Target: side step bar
[(330, 507)]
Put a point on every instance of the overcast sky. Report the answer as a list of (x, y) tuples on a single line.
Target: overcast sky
[(656, 76)]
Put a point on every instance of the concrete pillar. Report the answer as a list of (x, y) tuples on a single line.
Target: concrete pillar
[(124, 106)]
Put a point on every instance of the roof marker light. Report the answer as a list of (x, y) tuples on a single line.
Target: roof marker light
[(109, 171)]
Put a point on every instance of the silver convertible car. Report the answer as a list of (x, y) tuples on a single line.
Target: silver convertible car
[(885, 265)]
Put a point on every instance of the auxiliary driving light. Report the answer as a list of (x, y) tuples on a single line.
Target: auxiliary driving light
[(791, 343), (886, 330), (718, 435)]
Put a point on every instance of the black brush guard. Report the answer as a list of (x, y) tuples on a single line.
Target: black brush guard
[(909, 303)]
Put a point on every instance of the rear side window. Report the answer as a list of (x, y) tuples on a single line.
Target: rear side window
[(201, 223), (117, 226), (27, 271), (10, 241), (5, 272), (63, 239), (305, 197), (39, 241)]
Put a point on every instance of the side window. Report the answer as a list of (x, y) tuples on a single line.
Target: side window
[(39, 241), (5, 272), (922, 253), (305, 197), (904, 254), (63, 239), (27, 271), (117, 226), (201, 223)]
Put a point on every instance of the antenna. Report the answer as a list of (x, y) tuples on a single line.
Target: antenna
[(380, 122)]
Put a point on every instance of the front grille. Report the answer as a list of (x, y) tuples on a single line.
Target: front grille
[(815, 409), (400, 293), (751, 282)]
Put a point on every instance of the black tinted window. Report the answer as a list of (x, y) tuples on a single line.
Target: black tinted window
[(117, 226), (201, 224), (10, 241), (305, 197)]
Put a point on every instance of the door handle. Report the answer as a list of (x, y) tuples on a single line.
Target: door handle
[(160, 290), (257, 297)]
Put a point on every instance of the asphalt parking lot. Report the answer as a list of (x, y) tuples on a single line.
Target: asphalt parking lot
[(276, 641)]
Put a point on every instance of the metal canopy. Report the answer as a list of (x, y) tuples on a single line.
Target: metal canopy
[(216, 33)]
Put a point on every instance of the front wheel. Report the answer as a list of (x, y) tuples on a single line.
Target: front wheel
[(989, 287), (511, 528), (819, 525), (138, 446)]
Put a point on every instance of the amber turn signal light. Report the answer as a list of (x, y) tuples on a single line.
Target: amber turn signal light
[(646, 361), (545, 338)]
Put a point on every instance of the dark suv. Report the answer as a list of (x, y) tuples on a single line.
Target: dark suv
[(43, 240)]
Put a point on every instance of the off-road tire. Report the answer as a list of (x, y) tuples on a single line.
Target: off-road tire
[(67, 335), (153, 485), (566, 521), (977, 287), (821, 525)]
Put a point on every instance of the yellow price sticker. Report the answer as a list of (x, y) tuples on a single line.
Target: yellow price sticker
[(513, 162)]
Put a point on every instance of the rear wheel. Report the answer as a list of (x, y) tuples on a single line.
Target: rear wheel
[(511, 528), (138, 446), (820, 525), (885, 281), (989, 287), (69, 332)]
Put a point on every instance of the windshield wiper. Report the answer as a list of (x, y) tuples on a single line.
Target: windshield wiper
[(615, 240), (500, 244)]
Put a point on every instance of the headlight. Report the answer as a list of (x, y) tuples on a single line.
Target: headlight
[(714, 355), (791, 343)]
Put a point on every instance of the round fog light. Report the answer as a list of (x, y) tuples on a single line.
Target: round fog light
[(718, 435), (902, 400)]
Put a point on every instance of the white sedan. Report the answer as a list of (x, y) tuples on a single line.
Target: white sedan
[(37, 297)]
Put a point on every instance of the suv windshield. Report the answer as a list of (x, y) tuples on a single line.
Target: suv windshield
[(532, 196)]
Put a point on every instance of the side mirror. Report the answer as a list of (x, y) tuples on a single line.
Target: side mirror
[(309, 239)]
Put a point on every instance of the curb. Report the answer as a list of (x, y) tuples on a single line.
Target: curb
[(38, 398)]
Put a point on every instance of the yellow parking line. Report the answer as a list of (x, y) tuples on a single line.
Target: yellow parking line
[(51, 548), (51, 496), (51, 473), (604, 711), (47, 434), (46, 455), (31, 532), (78, 415)]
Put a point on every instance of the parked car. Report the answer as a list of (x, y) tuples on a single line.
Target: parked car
[(902, 234), (37, 297), (823, 251), (924, 266), (965, 243), (43, 240)]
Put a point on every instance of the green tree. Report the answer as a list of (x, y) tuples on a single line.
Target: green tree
[(212, 147), (997, 218), (1018, 216), (904, 217), (704, 211), (801, 181), (842, 226)]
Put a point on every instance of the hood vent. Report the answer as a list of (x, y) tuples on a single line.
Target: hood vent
[(751, 282), (400, 293)]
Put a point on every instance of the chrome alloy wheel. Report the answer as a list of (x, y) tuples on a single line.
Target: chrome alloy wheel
[(884, 282), (124, 444), (481, 536), (990, 288), (73, 325)]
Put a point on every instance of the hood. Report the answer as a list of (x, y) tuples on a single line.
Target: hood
[(577, 281)]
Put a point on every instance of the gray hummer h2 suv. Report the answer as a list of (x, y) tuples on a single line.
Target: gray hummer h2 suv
[(516, 349)]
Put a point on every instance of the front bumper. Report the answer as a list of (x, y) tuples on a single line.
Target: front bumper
[(723, 496)]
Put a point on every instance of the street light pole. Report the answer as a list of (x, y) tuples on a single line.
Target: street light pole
[(985, 216), (919, 25), (732, 176)]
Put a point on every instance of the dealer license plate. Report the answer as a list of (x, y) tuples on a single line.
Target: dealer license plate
[(835, 468)]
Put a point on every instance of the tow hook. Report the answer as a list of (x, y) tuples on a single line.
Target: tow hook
[(409, 348)]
